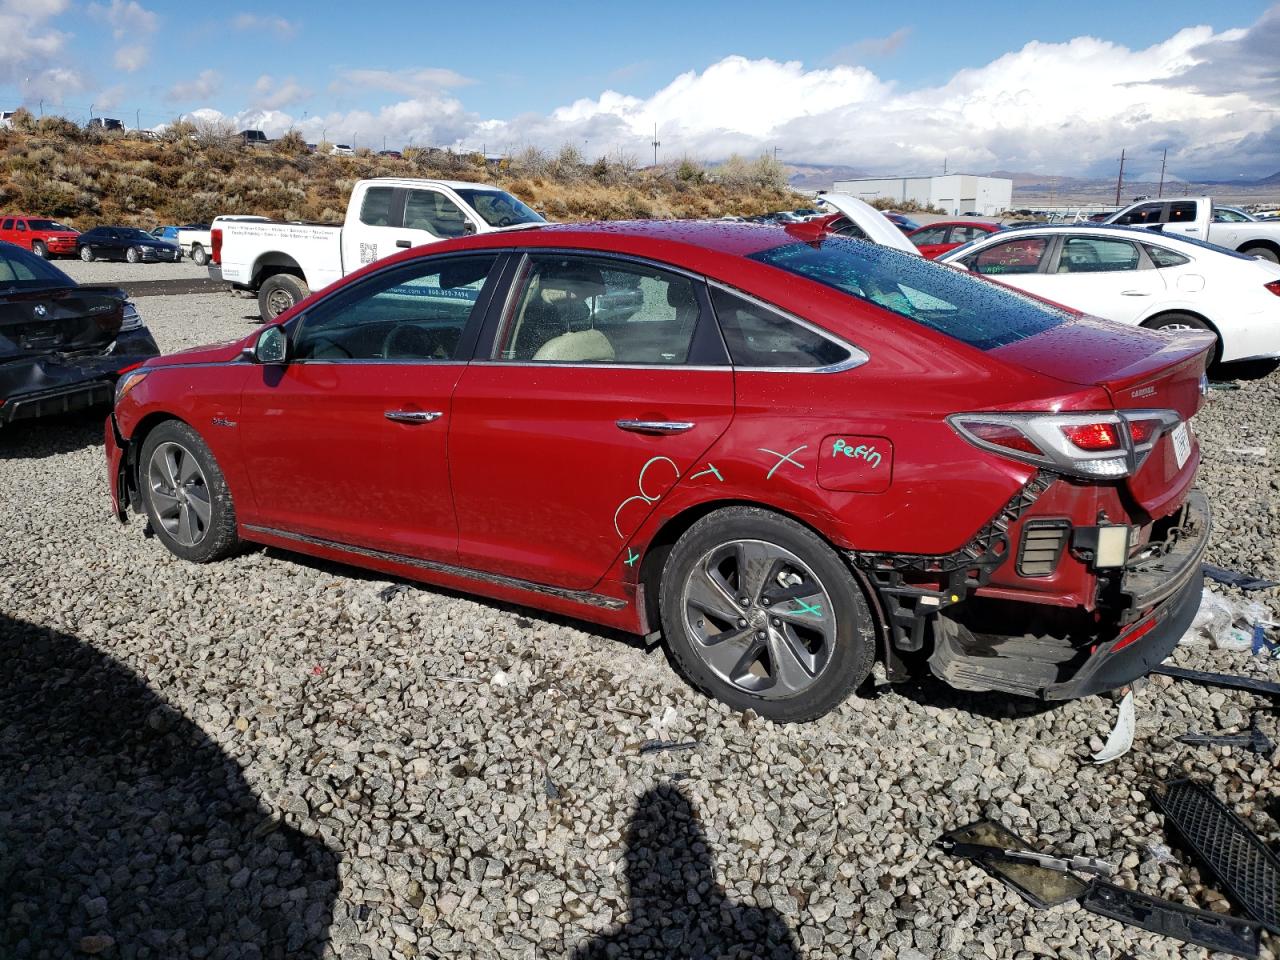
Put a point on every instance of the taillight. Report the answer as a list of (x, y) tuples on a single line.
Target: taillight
[(1274, 287), (1103, 445), (215, 241)]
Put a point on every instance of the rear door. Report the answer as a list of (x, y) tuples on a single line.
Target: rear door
[(1105, 276), (1188, 218), (605, 382)]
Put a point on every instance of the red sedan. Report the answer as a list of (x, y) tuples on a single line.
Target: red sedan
[(789, 453), (937, 238)]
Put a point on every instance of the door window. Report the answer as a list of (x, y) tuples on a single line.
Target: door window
[(1165, 258), (1097, 255), (929, 235), (414, 312), (7, 225), (375, 210), (1147, 213), (1013, 256), (1182, 211), (435, 213), (22, 226), (967, 233), (760, 337), (1227, 215), (596, 310)]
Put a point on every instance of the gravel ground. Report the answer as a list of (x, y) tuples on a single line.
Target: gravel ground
[(275, 757), (110, 271)]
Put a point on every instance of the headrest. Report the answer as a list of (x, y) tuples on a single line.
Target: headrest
[(584, 279)]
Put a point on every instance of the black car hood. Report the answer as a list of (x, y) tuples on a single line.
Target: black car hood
[(58, 320)]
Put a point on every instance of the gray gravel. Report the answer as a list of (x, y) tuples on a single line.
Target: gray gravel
[(110, 271), (275, 757)]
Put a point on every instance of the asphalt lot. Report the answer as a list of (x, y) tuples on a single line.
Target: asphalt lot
[(275, 757)]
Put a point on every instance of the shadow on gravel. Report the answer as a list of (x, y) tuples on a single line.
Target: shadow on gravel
[(929, 691), (677, 908), (50, 436), (120, 819), (1244, 370)]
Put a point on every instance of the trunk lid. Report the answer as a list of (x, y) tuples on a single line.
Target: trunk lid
[(59, 320), (1138, 369)]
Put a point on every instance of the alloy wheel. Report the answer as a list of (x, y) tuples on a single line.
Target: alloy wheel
[(179, 494), (759, 618), (1176, 326)]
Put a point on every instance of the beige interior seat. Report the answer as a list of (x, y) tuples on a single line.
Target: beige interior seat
[(579, 346)]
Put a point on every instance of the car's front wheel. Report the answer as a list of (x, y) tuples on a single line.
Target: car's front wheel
[(198, 255), (40, 250), (86, 255), (133, 255), (761, 613), (186, 496)]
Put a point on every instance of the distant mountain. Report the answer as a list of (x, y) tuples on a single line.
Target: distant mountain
[(819, 176)]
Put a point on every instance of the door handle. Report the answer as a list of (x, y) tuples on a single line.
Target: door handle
[(656, 426), (413, 416), (404, 244), (1134, 293)]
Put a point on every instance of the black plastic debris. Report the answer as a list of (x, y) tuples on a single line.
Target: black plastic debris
[(1234, 578), (1246, 870), (1039, 886), (1253, 739), (981, 851), (1226, 680), (658, 746), (1201, 927)]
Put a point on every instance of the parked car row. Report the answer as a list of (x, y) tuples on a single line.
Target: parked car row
[(48, 239)]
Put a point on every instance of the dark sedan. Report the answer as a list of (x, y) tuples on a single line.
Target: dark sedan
[(61, 345), (125, 243)]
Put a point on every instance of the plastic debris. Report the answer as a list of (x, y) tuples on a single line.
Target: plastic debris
[(1227, 624), (1121, 737), (1252, 739), (500, 679), (1225, 680), (1234, 578), (657, 746), (1159, 853)]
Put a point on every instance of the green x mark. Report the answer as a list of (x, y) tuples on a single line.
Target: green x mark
[(632, 557), (815, 609)]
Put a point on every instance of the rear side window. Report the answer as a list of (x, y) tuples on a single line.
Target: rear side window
[(1165, 258), (1023, 255), (1182, 211), (1147, 213), (965, 234), (983, 315), (760, 337), (1097, 255), (375, 210)]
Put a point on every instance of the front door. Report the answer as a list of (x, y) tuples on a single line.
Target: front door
[(607, 383), (394, 219), (346, 441), (1104, 276)]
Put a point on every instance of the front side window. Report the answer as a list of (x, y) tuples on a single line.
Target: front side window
[(929, 235), (1229, 215), (435, 213), (759, 337), (375, 209), (1147, 213), (1023, 255), (1165, 258), (1097, 255), (7, 225), (983, 315), (571, 309), (417, 311), (498, 208)]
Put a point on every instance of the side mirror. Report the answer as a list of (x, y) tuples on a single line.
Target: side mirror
[(272, 346), (468, 228)]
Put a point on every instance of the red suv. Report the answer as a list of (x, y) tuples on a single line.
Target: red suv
[(45, 238), (790, 453)]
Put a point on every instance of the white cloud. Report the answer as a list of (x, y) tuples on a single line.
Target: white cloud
[(132, 26), (273, 94), (411, 83), (861, 50), (31, 50), (203, 87), (258, 23)]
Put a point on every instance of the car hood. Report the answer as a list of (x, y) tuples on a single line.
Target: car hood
[(215, 353), (878, 228)]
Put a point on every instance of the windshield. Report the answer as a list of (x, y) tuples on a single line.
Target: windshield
[(981, 314), (130, 233), (20, 270), (47, 225), (498, 208)]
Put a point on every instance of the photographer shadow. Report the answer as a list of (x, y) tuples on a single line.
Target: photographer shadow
[(677, 909)]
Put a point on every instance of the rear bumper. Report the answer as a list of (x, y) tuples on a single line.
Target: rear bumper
[(64, 399)]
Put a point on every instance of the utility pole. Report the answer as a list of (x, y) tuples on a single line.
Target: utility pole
[(1120, 179), (775, 154), (41, 109), (384, 141), (656, 144), (137, 119), (1163, 157), (944, 166)]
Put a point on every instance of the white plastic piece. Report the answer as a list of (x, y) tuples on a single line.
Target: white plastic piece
[(1121, 738), (500, 679)]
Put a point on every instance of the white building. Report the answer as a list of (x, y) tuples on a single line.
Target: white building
[(956, 194)]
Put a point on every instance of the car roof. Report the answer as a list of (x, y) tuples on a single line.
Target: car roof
[(429, 181), (721, 236), (968, 222)]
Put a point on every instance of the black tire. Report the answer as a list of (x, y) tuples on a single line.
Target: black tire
[(1185, 321), (133, 255), (86, 255), (40, 249), (218, 537), (279, 293), (1260, 250), (849, 654), (198, 255)]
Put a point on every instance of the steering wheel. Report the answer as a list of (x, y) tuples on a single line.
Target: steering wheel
[(408, 342), (505, 221)]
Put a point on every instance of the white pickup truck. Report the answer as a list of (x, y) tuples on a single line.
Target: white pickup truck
[(197, 243), (283, 262), (1200, 219)]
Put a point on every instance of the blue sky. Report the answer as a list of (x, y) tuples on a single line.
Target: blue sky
[(520, 73)]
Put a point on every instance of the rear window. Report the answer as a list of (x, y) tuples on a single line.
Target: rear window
[(20, 270), (941, 298)]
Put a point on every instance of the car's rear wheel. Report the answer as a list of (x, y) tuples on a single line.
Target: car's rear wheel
[(86, 255), (133, 255), (186, 495), (40, 250), (198, 255), (759, 612), (1184, 321), (280, 293), (1265, 252)]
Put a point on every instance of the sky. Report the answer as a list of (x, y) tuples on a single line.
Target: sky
[(881, 88)]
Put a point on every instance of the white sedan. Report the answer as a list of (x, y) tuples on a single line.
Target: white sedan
[(1133, 276)]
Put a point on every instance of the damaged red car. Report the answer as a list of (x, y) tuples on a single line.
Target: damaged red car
[(787, 454)]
